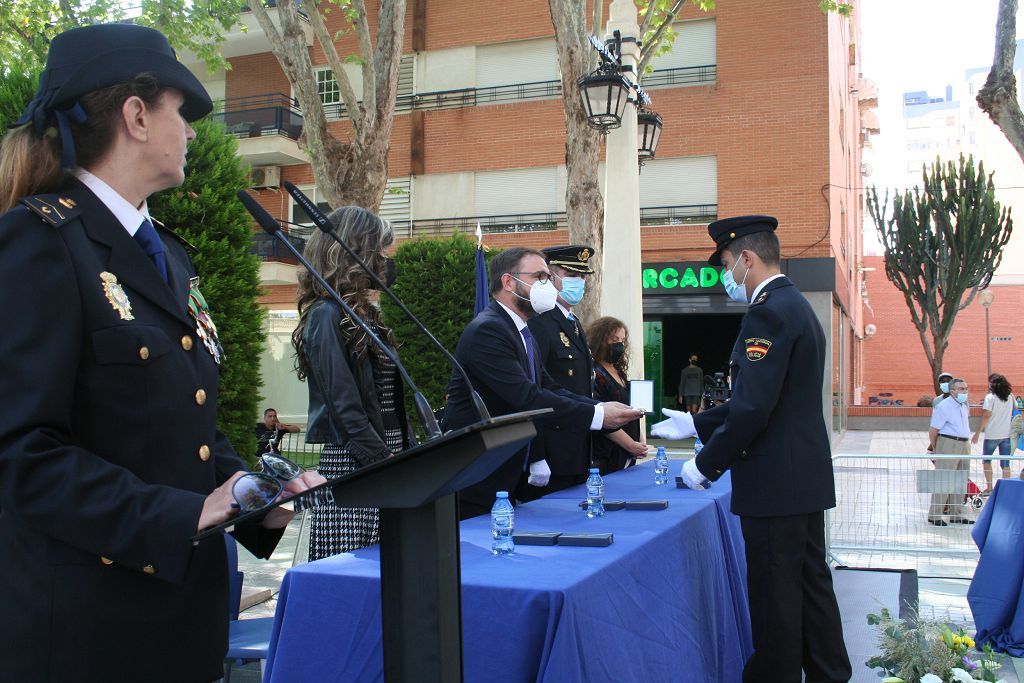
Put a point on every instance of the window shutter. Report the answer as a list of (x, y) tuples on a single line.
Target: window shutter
[(695, 46), (516, 191), (682, 181), (522, 61)]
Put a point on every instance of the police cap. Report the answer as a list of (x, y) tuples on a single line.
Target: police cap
[(728, 229), (574, 257), (89, 58)]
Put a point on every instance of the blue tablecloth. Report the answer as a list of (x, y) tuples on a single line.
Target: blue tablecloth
[(666, 601), (995, 595)]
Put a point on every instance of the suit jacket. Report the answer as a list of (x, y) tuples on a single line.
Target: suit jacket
[(566, 356), (492, 351), (108, 448), (771, 433)]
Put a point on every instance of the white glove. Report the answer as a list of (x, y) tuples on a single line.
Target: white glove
[(540, 473), (692, 476), (679, 425)]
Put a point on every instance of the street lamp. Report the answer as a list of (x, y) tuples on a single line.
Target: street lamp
[(987, 296), (648, 132), (605, 94)]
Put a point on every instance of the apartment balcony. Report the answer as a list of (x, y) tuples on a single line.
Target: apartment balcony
[(267, 126), (250, 40)]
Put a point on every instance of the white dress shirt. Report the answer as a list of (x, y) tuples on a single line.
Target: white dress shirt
[(126, 214), (950, 418)]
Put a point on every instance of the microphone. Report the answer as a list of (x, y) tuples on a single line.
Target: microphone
[(324, 224), (271, 226)]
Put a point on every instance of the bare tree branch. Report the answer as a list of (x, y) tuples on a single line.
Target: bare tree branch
[(598, 17), (353, 109), (652, 44), (998, 98), (362, 27)]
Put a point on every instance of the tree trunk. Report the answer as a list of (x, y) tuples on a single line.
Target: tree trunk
[(998, 98), (584, 205)]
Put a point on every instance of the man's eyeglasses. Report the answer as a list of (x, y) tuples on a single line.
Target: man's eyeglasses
[(541, 276), (257, 490)]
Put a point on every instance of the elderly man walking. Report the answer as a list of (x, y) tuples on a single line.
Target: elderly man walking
[(950, 434)]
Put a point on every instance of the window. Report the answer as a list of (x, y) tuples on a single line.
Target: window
[(395, 205), (327, 86), (517, 191), (695, 45), (682, 181), (303, 219), (521, 61)]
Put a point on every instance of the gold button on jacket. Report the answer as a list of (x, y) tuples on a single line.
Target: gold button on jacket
[(149, 569), (204, 452), (186, 342), (200, 397), (106, 560), (144, 353)]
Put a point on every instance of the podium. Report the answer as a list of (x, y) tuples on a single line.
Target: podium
[(421, 605)]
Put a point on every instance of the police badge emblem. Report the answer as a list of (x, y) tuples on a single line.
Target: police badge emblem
[(206, 330), (565, 339), (757, 348), (116, 296)]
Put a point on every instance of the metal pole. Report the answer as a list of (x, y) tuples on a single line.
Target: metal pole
[(988, 343), (622, 287)]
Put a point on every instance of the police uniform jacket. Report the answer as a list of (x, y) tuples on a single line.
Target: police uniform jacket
[(492, 351), (565, 354), (108, 448), (772, 434)]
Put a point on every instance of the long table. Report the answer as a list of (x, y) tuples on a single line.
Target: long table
[(665, 602)]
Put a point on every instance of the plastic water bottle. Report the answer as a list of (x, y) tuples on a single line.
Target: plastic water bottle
[(661, 466), (595, 494), (503, 523)]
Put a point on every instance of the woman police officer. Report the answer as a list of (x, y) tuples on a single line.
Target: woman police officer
[(108, 342)]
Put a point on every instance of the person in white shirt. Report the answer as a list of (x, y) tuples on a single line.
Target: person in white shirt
[(950, 434), (995, 423)]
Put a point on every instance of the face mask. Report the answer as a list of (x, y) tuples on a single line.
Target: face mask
[(735, 291), (961, 398), (542, 295), (573, 289), (616, 351), (944, 387), (389, 275)]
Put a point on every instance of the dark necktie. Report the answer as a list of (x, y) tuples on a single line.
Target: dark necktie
[(150, 242), (575, 324), (528, 338)]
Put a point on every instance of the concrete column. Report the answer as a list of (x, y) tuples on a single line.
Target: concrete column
[(621, 290)]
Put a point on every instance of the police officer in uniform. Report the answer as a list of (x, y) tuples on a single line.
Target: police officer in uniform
[(773, 438), (110, 458), (565, 354)]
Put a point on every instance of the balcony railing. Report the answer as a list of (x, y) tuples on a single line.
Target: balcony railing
[(268, 248), (259, 115)]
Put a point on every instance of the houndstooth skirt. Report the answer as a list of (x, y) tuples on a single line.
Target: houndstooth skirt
[(335, 529)]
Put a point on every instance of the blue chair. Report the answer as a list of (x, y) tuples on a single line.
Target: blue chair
[(248, 639)]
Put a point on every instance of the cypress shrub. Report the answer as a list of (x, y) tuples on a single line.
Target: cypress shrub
[(19, 79), (205, 211)]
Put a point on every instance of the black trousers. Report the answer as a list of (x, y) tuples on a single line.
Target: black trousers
[(793, 612)]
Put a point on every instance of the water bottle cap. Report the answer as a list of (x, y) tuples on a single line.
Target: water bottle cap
[(502, 494), (661, 449), (595, 470)]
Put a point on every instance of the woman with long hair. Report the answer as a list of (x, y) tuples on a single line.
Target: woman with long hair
[(997, 411), (609, 343), (110, 456), (356, 401)]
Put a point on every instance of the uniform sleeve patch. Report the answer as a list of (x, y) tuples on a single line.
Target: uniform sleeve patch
[(757, 348)]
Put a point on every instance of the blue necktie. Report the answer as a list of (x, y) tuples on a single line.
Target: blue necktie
[(528, 338), (150, 242)]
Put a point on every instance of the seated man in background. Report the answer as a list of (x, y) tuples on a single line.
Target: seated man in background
[(268, 433)]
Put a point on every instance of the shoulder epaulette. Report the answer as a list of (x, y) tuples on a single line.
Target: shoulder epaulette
[(189, 247), (55, 209)]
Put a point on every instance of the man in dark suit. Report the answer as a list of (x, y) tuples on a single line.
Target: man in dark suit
[(110, 456), (501, 358), (773, 438), (565, 354)]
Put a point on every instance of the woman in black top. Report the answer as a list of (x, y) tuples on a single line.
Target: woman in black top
[(609, 343), (355, 394)]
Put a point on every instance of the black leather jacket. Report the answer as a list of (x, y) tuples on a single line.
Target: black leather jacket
[(343, 404)]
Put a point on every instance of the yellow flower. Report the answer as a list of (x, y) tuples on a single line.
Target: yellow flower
[(969, 641)]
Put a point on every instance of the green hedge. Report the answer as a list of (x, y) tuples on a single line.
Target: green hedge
[(205, 211), (437, 281)]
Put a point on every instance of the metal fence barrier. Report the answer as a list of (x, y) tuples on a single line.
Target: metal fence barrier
[(295, 448), (884, 503)]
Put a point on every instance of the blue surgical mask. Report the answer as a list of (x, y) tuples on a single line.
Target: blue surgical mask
[(735, 290), (573, 289), (961, 398), (944, 387)]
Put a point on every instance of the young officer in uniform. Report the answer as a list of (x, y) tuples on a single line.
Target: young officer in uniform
[(565, 354), (109, 342), (773, 438)]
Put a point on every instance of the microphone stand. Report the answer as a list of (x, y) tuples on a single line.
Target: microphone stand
[(271, 226), (324, 224)]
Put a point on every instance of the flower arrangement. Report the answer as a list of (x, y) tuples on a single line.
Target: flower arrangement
[(916, 651)]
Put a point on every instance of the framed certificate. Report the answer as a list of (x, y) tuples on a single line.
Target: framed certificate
[(641, 394)]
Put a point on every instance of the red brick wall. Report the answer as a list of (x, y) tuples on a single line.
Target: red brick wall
[(895, 362)]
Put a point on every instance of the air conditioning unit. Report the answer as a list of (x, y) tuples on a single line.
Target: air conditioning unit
[(265, 176)]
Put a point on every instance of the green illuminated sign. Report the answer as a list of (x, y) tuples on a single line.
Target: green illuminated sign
[(694, 277)]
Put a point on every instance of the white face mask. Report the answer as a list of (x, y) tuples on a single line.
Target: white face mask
[(542, 295)]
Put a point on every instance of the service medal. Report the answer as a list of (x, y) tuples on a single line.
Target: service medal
[(565, 339), (206, 330), (116, 296)]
